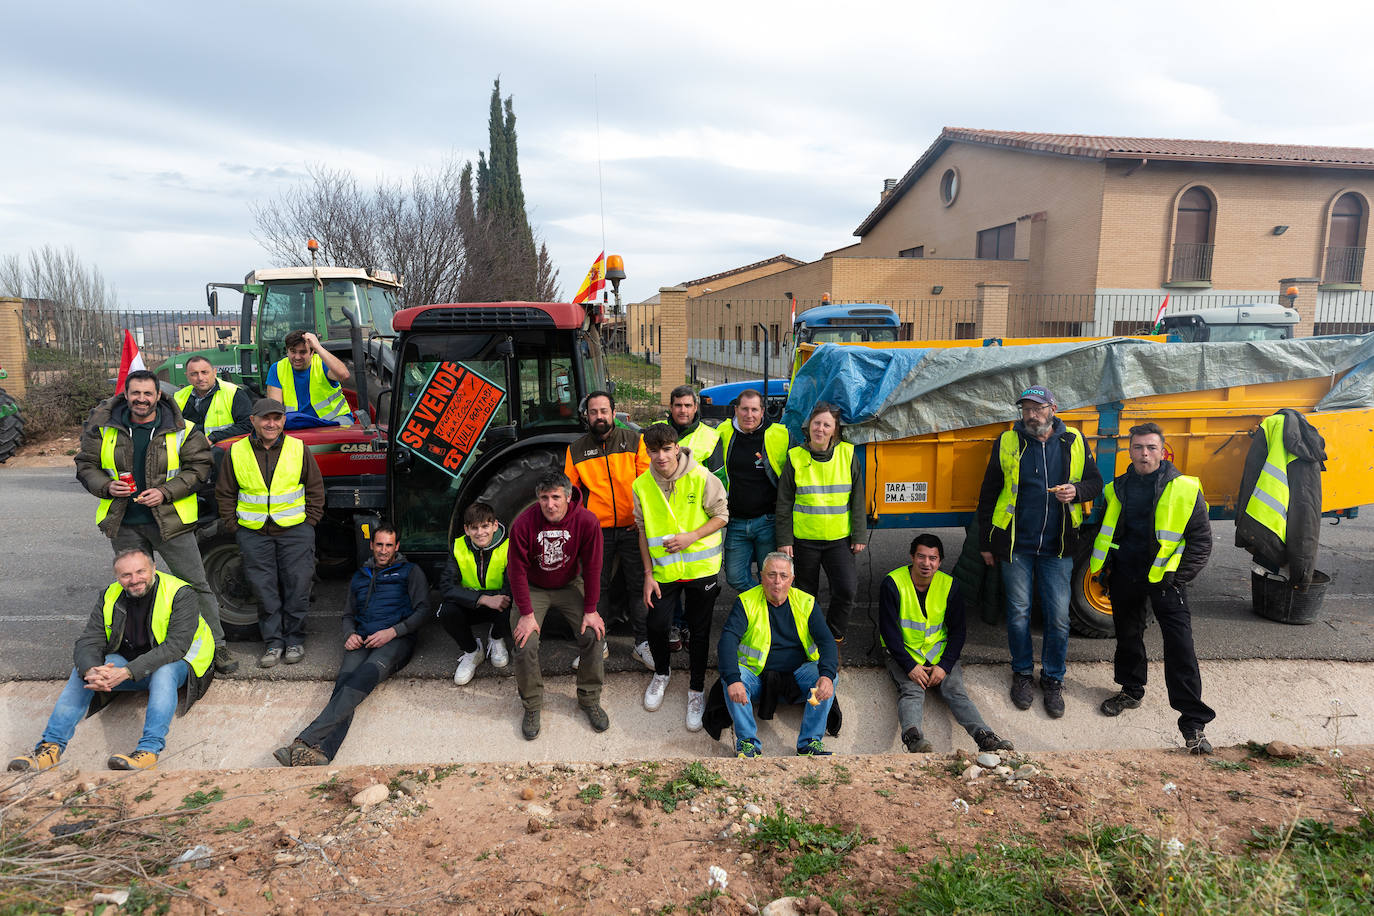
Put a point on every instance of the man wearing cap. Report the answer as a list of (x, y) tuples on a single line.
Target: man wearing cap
[(272, 495), (1030, 512)]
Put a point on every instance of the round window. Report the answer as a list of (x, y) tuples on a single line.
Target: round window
[(949, 186)]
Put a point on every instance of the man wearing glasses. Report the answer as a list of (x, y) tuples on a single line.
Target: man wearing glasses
[(1030, 513)]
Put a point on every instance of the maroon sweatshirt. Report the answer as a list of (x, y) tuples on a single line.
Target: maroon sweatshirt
[(550, 555)]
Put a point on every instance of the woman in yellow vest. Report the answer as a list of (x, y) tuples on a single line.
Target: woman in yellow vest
[(820, 514)]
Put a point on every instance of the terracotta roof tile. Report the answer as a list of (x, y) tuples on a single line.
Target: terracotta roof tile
[(776, 259)]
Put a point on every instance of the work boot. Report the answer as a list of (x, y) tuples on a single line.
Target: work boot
[(138, 760), (1197, 742), (987, 740), (1053, 689), (44, 757), (597, 717), (1022, 690), (915, 742), (529, 726), (224, 662), (1119, 703), (303, 755), (283, 754)]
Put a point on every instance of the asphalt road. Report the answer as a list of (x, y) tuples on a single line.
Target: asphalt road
[(56, 562)]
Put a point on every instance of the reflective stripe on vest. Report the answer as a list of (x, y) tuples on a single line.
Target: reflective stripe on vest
[(663, 517), (775, 443), (820, 511), (284, 502), (202, 651), (758, 634), (701, 442), (1268, 503), (923, 632), (1171, 516), (1009, 455), (467, 566), (185, 507), (326, 397), (220, 414)]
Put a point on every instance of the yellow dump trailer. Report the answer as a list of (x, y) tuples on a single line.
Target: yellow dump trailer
[(932, 479)]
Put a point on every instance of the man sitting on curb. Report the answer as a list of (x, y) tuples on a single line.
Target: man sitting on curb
[(921, 624), (387, 604), (775, 627), (146, 633)]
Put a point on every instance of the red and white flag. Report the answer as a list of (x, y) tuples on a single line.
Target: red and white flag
[(1154, 326), (129, 360)]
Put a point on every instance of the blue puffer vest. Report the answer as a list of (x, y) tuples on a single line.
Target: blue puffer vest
[(381, 597)]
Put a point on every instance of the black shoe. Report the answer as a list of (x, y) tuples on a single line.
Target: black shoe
[(1022, 690), (597, 717), (915, 742), (1197, 743), (1054, 696), (813, 748), (529, 726), (1119, 703), (987, 740), (283, 754)]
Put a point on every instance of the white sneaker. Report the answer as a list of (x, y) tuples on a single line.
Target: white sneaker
[(605, 654), (696, 708), (642, 653), (467, 665), (653, 694), (496, 652)]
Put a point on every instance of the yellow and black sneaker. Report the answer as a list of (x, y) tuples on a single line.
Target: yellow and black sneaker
[(138, 760), (44, 757)]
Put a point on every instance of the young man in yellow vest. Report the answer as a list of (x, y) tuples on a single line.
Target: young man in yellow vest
[(1030, 513), (145, 633), (307, 381), (271, 494), (219, 409), (475, 591), (680, 508), (1155, 539), (775, 628), (921, 624), (141, 432)]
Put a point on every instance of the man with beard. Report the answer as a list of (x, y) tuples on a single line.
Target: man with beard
[(603, 465), (144, 462), (1030, 512)]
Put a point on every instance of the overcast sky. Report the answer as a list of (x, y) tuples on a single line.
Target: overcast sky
[(140, 133)]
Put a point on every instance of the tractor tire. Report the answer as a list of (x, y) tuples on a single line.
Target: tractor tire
[(238, 606), (11, 426), (1090, 609), (511, 490)]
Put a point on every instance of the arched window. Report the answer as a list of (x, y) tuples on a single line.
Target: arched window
[(1193, 236), (1344, 253)]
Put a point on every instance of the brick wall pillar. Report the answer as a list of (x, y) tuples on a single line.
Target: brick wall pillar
[(13, 347), (990, 316), (1305, 302), (672, 320)]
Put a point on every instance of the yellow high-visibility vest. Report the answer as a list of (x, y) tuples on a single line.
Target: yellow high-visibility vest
[(683, 513), (284, 500), (820, 511), (923, 632), (202, 651), (326, 397), (758, 634), (775, 443), (185, 507), (467, 565), (1268, 502), (220, 414), (1172, 512), (1009, 456)]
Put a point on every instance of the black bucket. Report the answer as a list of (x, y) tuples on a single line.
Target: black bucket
[(1275, 599)]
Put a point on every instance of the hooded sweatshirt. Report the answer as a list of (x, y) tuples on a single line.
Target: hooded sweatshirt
[(714, 500), (551, 555)]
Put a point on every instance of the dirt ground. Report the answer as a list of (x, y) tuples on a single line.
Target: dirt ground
[(54, 451), (592, 838)]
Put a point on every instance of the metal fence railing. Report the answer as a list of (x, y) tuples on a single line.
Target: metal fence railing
[(60, 335), (1192, 261)]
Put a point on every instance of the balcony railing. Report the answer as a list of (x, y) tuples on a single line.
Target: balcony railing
[(1192, 261), (1343, 265)]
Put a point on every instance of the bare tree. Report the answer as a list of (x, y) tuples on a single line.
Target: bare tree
[(69, 301)]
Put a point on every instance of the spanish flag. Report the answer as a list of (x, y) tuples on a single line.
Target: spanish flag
[(596, 279)]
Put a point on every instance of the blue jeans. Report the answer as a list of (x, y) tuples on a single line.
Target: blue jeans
[(813, 717), (747, 540), (1051, 574), (161, 687)]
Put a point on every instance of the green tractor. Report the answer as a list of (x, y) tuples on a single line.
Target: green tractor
[(11, 422)]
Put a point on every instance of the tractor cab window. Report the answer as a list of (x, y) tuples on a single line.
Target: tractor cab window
[(285, 307), (340, 295), (381, 302), (593, 364)]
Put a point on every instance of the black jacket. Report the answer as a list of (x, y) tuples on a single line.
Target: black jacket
[(1304, 501), (92, 645), (1197, 534), (997, 541), (451, 587)]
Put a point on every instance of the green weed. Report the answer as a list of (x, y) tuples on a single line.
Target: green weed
[(199, 799), (684, 787)]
